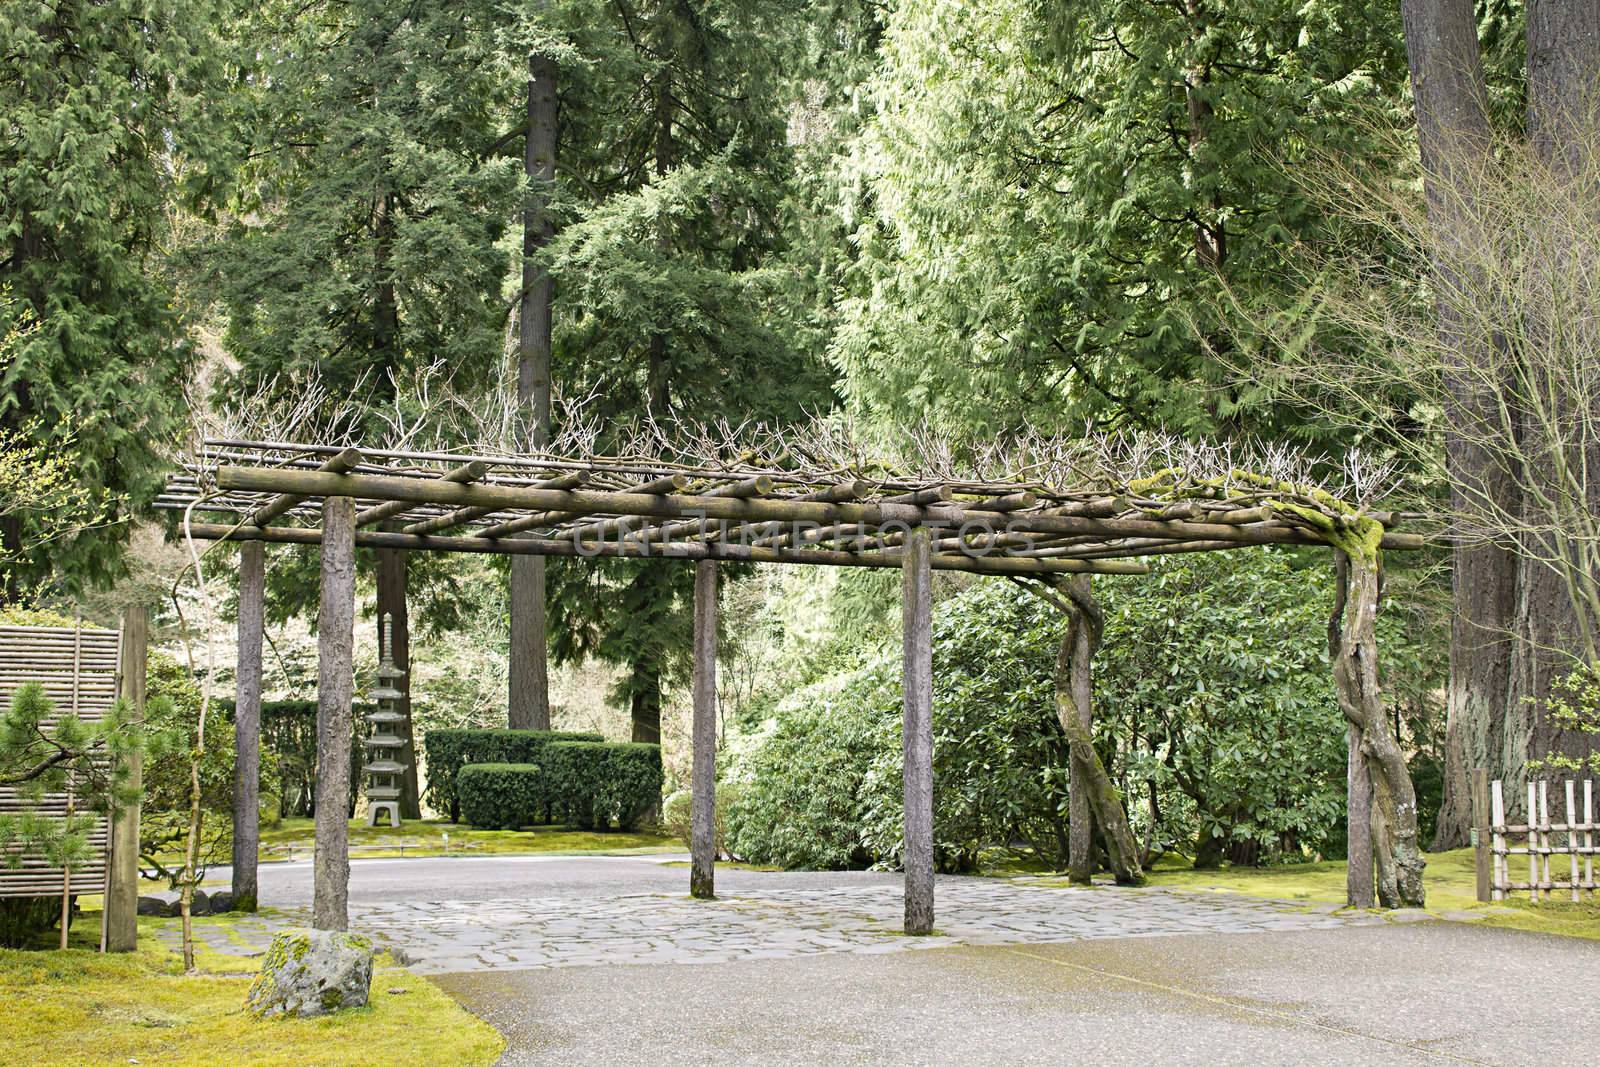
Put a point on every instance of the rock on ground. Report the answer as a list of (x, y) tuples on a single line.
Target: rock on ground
[(312, 972)]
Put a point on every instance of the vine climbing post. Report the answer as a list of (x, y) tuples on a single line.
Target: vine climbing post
[(1396, 854), (1099, 802)]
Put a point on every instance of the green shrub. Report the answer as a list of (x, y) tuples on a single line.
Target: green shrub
[(501, 796), (627, 784), (676, 814), (23, 919), (447, 751), (1215, 715), (595, 784)]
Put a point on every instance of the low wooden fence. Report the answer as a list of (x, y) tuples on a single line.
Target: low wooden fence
[(78, 669), (1558, 854)]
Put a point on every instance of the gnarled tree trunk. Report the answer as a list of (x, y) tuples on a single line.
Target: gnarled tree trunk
[(1090, 788), (1353, 640)]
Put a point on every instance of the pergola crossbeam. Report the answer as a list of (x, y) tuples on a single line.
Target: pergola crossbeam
[(1000, 565)]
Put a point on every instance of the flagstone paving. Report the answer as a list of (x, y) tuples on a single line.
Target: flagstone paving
[(559, 930)]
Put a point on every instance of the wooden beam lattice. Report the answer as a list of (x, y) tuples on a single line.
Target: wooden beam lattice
[(611, 507)]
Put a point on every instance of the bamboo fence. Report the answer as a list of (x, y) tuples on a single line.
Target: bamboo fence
[(1559, 855), (78, 669)]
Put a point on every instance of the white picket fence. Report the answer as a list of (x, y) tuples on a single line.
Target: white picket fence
[(1560, 854)]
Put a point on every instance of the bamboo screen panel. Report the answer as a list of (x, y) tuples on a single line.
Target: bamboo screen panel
[(78, 669), (1559, 852)]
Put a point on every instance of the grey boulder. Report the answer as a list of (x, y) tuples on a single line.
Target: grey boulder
[(312, 972)]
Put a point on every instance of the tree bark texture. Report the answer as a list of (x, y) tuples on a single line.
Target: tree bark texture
[(122, 898), (1563, 40), (916, 738), (1080, 814), (1074, 678), (1453, 133), (528, 704), (247, 725), (335, 692), (703, 786), (1396, 852), (1359, 884), (393, 566)]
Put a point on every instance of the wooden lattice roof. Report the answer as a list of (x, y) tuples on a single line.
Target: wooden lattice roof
[(740, 508)]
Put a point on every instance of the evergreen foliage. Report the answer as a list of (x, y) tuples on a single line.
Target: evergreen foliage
[(1050, 197), (43, 752), (108, 133)]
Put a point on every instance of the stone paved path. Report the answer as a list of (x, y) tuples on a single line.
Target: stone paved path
[(539, 932)]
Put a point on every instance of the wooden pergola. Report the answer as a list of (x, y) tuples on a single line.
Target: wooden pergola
[(745, 509)]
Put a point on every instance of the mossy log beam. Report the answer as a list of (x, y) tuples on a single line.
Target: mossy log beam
[(748, 487), (763, 533), (877, 513), (656, 486), (339, 463), (296, 535), (467, 472), (937, 494), (465, 515)]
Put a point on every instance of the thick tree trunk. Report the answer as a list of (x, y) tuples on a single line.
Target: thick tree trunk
[(645, 706), (1075, 709), (703, 794), (393, 565), (1360, 887), (1563, 71), (335, 691), (916, 736), (247, 725), (528, 705), (1397, 854), (1453, 133)]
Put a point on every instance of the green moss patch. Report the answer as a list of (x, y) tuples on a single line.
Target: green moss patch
[(67, 1009)]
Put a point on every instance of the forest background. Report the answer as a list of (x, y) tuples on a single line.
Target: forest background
[(1113, 215)]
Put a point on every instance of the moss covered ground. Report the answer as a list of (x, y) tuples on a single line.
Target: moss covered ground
[(292, 839), (1450, 882), (83, 1009)]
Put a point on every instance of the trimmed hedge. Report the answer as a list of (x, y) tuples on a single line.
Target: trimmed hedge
[(598, 783), (501, 796), (594, 784), (447, 751)]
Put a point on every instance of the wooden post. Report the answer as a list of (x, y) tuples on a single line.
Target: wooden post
[(1080, 778), (247, 726), (703, 814), (1359, 891), (122, 894), (917, 730), (335, 691), (1480, 832), (1497, 812)]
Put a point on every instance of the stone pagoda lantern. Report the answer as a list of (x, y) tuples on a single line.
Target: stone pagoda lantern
[(383, 769)]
